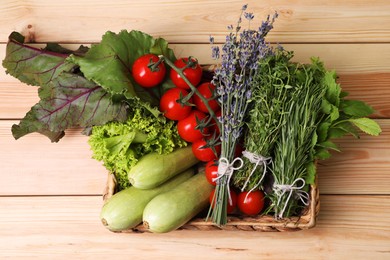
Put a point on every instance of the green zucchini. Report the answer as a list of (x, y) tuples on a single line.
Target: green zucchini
[(154, 169), (172, 209), (124, 209)]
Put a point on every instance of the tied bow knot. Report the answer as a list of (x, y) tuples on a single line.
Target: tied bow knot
[(256, 160), (281, 189), (226, 168)]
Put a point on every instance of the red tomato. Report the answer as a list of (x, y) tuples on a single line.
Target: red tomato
[(214, 127), (211, 172), (171, 108), (204, 154), (186, 127), (192, 73), (230, 206), (206, 90), (144, 75), (253, 204)]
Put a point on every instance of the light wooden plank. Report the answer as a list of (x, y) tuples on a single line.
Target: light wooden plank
[(194, 21), (344, 58), (33, 165), (372, 88), (349, 227), (361, 168), (364, 71)]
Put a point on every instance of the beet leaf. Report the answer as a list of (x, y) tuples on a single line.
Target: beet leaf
[(70, 101), (35, 66), (109, 62)]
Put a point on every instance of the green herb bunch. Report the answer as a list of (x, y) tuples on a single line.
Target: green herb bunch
[(314, 114), (295, 147), (265, 116)]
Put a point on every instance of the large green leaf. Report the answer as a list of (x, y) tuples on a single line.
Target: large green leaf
[(356, 108), (367, 125), (69, 101), (36, 66), (333, 89), (109, 62)]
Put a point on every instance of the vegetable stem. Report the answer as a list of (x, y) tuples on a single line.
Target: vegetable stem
[(194, 90)]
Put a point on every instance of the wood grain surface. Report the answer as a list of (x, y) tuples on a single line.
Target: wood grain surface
[(193, 21), (50, 193), (58, 226)]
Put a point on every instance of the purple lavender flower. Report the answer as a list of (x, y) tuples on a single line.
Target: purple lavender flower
[(249, 16), (211, 39), (215, 52), (241, 53)]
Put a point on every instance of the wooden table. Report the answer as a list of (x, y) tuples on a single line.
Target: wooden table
[(50, 193)]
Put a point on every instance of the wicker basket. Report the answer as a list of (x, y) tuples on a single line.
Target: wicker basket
[(260, 223)]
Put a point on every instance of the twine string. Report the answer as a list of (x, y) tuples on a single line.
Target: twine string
[(281, 189), (226, 168), (256, 160)]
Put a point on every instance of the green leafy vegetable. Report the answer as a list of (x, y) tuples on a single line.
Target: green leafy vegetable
[(86, 87), (69, 101), (341, 116), (121, 145), (35, 66), (356, 108), (367, 125), (109, 62)]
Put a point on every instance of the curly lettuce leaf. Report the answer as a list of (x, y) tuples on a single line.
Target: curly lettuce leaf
[(35, 66), (109, 62), (69, 101), (120, 145)]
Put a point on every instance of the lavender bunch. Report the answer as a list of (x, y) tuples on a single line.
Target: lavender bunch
[(233, 79)]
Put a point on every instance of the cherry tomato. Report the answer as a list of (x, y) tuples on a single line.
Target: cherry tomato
[(230, 206), (214, 127), (186, 127), (206, 90), (253, 204), (143, 74), (192, 73), (204, 154), (171, 108), (211, 172)]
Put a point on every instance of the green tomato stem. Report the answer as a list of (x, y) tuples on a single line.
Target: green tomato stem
[(194, 90)]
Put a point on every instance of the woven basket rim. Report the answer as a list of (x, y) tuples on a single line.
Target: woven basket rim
[(258, 223)]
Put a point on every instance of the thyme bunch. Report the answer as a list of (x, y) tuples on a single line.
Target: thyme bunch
[(271, 92)]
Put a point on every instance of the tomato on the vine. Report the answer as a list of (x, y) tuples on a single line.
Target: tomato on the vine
[(193, 73), (144, 75), (230, 206), (187, 127), (214, 129), (211, 172), (205, 154), (171, 108), (207, 91), (251, 203)]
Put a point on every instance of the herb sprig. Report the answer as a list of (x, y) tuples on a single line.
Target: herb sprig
[(233, 80), (265, 119)]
